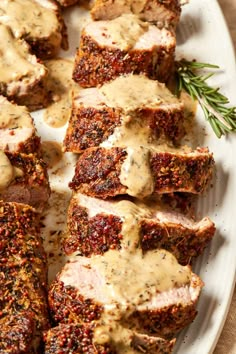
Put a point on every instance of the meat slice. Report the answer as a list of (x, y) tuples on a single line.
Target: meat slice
[(150, 294), (22, 76), (17, 130), (78, 338), (125, 111), (23, 179), (163, 13), (39, 22), (23, 280), (95, 226), (105, 52), (141, 172)]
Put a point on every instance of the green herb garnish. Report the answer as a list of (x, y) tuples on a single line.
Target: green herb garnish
[(213, 103)]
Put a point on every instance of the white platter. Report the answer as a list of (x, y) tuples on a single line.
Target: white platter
[(202, 35)]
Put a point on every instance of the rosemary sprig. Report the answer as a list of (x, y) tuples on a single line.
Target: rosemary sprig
[(214, 104)]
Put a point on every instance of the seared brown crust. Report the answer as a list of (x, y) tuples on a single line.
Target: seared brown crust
[(97, 172), (165, 322), (89, 127), (98, 169), (95, 64), (16, 333), (68, 306), (23, 278), (33, 186), (73, 338), (103, 231), (183, 242), (94, 235), (184, 174), (31, 145)]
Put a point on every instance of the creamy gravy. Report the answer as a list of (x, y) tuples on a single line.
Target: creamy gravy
[(130, 280), (52, 152), (124, 31), (13, 116), (26, 17), (7, 171), (136, 174), (135, 92), (15, 52), (131, 132), (59, 83)]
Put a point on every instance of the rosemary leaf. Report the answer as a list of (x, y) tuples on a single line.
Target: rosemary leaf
[(213, 103)]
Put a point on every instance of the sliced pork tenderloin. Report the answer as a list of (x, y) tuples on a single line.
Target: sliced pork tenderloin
[(141, 172), (163, 13), (17, 130), (23, 280), (95, 226), (121, 46), (22, 76), (78, 338), (151, 293), (23, 179), (39, 22), (131, 109)]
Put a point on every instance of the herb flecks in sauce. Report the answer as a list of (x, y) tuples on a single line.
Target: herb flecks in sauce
[(60, 86), (13, 116), (25, 17), (136, 173)]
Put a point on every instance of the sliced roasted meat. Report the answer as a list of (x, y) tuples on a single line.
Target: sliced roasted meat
[(95, 226), (23, 280), (163, 13), (141, 172), (23, 179), (130, 110), (21, 75), (151, 293), (105, 52), (38, 22), (78, 338), (17, 130)]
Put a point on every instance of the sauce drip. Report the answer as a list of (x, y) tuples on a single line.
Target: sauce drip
[(136, 174), (60, 85), (52, 153)]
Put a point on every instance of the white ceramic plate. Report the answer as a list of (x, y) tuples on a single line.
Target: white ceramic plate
[(202, 35)]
